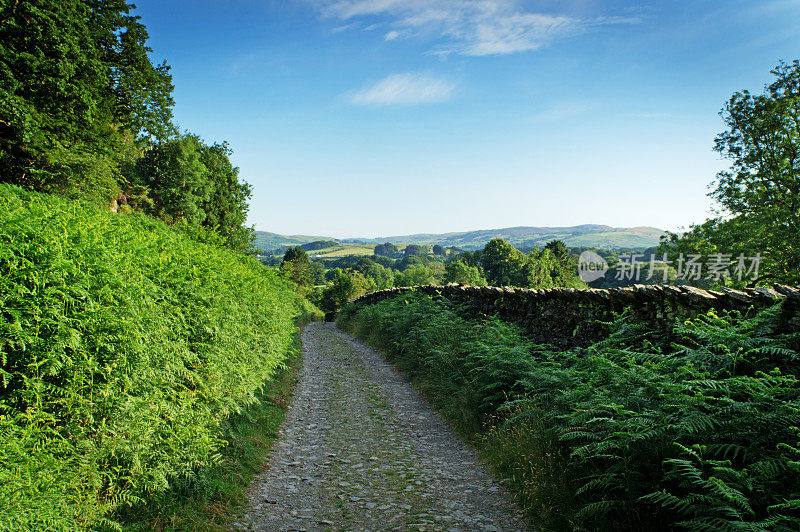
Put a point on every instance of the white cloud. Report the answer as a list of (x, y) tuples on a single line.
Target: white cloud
[(344, 27), (404, 89), (477, 28)]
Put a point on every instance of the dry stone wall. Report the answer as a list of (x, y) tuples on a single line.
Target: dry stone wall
[(568, 316)]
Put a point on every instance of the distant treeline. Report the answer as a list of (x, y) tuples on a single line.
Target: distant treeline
[(333, 283)]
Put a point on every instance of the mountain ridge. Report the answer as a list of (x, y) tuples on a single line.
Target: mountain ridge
[(584, 235)]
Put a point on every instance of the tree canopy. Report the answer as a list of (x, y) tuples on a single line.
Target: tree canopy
[(759, 195), (386, 249), (504, 265), (85, 112), (460, 272), (188, 180), (296, 266), (77, 93), (415, 249)]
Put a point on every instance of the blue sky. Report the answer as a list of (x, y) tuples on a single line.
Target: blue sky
[(385, 117)]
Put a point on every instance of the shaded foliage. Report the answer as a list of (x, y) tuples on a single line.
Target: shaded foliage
[(387, 249)]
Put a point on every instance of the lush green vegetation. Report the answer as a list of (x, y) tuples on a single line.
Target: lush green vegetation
[(137, 351), (126, 346), (546, 268), (631, 433), (214, 498), (78, 94)]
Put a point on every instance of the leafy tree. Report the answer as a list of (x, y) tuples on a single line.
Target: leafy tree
[(553, 267), (459, 272), (439, 250), (473, 258), (506, 266), (387, 249), (296, 254), (296, 266), (346, 285), (760, 193), (411, 260), (331, 274), (503, 265), (177, 180), (386, 262), (228, 198), (317, 273), (558, 248), (414, 249), (415, 276), (437, 270), (186, 180), (320, 244), (382, 276), (78, 94)]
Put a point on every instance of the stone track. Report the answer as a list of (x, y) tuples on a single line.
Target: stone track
[(360, 450)]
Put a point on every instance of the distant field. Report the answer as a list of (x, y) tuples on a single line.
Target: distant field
[(342, 251)]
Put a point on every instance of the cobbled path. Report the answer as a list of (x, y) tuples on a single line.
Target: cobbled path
[(361, 451)]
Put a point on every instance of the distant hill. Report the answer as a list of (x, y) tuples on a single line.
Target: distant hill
[(590, 235), (269, 241)]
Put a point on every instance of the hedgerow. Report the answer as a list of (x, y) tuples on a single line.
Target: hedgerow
[(125, 346), (627, 434)]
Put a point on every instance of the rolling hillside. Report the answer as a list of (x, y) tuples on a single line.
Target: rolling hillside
[(268, 241), (602, 236)]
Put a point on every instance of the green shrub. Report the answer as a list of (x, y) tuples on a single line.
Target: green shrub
[(125, 346), (701, 434)]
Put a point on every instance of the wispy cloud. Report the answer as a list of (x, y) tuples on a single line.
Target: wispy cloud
[(344, 27), (404, 89), (243, 64), (563, 111), (476, 28)]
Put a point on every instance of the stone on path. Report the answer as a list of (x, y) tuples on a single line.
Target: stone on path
[(360, 450)]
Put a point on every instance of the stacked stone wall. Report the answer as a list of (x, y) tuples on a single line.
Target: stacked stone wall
[(568, 316)]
